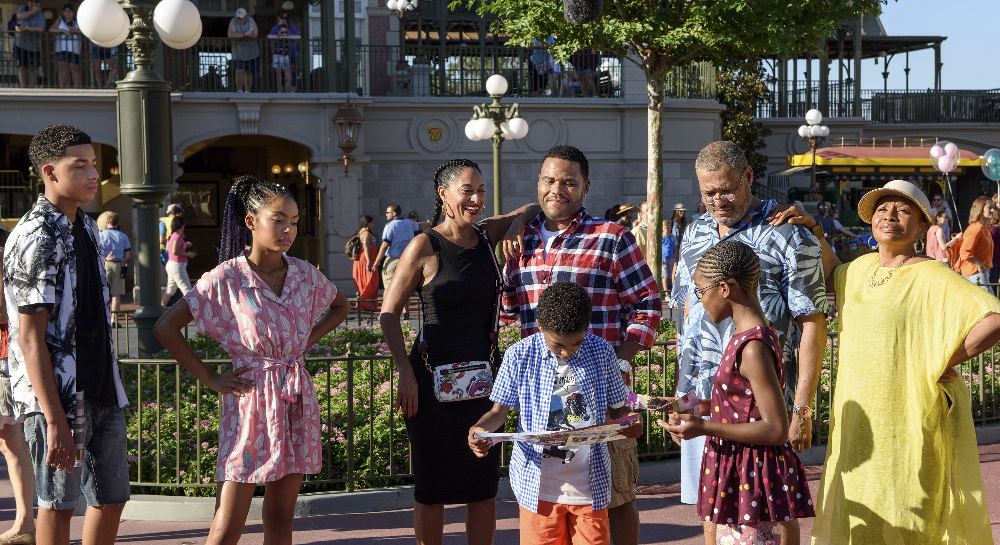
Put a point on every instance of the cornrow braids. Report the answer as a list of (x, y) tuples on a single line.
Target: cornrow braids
[(247, 196), (444, 175), (731, 259)]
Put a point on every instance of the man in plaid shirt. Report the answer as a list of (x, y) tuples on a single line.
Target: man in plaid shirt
[(566, 243)]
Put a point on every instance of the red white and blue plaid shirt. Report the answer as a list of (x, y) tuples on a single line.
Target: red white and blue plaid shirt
[(600, 256)]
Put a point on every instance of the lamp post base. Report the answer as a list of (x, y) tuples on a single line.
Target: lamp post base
[(145, 142)]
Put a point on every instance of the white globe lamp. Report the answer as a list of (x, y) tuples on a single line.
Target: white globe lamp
[(101, 20), (177, 22), (485, 128), (471, 130), (518, 128), (496, 85)]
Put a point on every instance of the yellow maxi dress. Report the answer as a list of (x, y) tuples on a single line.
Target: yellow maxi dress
[(902, 466)]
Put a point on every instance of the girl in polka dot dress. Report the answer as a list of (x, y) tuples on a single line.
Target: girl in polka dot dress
[(751, 478)]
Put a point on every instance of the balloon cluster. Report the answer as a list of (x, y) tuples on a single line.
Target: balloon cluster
[(945, 156), (990, 163)]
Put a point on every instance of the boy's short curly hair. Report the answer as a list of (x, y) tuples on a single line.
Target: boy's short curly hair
[(564, 308), (49, 144)]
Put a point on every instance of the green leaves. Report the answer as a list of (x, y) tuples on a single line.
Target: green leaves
[(741, 87), (678, 31)]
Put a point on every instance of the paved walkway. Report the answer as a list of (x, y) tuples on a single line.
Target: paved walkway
[(664, 519)]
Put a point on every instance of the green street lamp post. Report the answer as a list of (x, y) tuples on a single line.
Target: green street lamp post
[(814, 133), (145, 126), (496, 122)]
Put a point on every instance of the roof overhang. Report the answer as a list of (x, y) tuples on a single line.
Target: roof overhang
[(878, 160)]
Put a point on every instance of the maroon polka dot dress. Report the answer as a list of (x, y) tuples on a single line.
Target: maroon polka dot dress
[(741, 483)]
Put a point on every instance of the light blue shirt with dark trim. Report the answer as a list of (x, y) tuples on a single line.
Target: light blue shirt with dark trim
[(398, 233)]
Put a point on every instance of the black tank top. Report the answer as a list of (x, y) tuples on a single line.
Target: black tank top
[(458, 304)]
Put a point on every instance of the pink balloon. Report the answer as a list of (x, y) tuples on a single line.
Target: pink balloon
[(951, 149), (936, 152), (946, 164)]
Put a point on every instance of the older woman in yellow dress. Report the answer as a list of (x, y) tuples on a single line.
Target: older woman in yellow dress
[(902, 465)]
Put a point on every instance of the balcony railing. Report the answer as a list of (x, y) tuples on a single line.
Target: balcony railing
[(208, 66), (892, 106)]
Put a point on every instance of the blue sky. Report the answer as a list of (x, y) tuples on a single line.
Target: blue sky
[(970, 54)]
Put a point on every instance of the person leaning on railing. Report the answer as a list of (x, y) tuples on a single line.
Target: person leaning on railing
[(67, 46), (246, 53), (902, 464), (28, 42), (290, 33)]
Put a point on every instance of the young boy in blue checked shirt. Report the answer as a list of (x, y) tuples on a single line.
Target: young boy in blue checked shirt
[(559, 379)]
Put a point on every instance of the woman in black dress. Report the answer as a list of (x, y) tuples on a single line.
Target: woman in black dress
[(451, 266)]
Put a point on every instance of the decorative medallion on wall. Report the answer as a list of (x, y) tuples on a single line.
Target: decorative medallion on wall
[(545, 133), (434, 134)]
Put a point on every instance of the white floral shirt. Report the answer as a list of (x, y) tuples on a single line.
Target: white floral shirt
[(39, 272), (791, 284)]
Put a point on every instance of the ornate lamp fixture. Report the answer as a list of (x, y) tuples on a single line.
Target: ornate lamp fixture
[(348, 120)]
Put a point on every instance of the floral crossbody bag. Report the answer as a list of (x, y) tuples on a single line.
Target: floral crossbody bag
[(468, 379)]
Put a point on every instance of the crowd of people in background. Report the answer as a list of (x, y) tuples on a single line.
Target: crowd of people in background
[(549, 77), (973, 252), (33, 40)]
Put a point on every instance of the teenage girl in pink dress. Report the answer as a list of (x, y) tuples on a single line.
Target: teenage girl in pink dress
[(265, 309), (751, 478)]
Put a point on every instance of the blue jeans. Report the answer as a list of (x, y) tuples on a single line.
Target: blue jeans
[(103, 478), (979, 278)]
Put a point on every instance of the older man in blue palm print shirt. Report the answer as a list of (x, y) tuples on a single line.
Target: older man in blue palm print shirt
[(792, 294)]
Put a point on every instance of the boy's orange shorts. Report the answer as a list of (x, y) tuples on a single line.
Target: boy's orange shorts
[(558, 524)]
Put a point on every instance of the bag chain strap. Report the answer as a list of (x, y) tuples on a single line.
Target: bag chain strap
[(495, 337)]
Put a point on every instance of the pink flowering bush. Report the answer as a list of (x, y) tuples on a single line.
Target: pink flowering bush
[(173, 420)]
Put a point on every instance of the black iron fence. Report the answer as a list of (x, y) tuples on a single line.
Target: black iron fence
[(173, 420), (889, 106), (379, 70)]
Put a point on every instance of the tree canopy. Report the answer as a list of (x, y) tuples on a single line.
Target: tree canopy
[(659, 35), (662, 34)]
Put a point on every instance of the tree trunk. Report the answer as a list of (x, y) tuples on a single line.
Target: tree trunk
[(654, 180)]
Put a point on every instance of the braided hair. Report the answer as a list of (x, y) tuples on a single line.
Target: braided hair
[(247, 196), (444, 176), (731, 259)]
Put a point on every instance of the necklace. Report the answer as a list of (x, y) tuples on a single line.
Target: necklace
[(279, 282), (876, 283)]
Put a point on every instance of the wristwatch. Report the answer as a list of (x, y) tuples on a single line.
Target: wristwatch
[(803, 411), (624, 366)]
